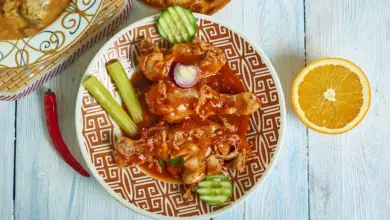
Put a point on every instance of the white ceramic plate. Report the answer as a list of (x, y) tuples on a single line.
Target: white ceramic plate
[(96, 130)]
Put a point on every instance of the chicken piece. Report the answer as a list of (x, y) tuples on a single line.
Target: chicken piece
[(208, 58), (34, 10), (127, 146), (225, 143), (194, 170), (190, 189), (229, 126), (231, 147), (155, 62), (187, 149), (10, 7), (136, 159), (191, 140), (214, 166), (153, 142), (175, 104), (165, 142), (239, 162), (212, 102)]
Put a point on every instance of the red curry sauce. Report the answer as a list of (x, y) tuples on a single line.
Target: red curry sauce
[(225, 81)]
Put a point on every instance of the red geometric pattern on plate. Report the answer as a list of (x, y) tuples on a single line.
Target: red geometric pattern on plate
[(165, 198)]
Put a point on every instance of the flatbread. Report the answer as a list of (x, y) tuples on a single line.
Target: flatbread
[(166, 3), (208, 7)]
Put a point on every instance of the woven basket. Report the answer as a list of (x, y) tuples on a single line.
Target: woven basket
[(18, 82)]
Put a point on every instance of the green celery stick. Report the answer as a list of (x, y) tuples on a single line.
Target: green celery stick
[(126, 90), (100, 93)]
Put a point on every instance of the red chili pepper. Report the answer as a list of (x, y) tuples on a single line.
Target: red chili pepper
[(55, 133)]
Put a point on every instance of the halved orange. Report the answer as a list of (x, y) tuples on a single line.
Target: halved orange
[(331, 95)]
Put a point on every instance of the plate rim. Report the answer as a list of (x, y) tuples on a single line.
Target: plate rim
[(141, 211)]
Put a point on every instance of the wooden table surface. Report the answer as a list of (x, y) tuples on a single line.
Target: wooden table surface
[(316, 176)]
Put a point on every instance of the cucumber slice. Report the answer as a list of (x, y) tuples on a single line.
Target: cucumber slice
[(163, 27), (213, 203), (216, 177), (180, 26), (162, 32), (187, 22), (172, 28), (215, 190), (215, 184), (189, 15), (177, 25), (214, 200)]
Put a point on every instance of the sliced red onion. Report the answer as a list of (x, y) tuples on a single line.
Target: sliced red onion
[(186, 76)]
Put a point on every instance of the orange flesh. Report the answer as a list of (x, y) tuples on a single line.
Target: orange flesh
[(328, 112)]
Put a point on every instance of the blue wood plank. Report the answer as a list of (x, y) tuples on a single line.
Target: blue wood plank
[(349, 174), (7, 137), (278, 27)]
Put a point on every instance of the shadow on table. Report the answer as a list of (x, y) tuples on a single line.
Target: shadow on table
[(287, 66)]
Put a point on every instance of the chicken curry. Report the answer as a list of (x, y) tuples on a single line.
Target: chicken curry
[(193, 132), (25, 18)]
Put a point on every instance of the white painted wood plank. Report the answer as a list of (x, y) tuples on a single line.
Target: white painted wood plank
[(7, 137), (349, 173), (277, 27)]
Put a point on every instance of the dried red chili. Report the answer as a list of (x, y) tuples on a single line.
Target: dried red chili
[(55, 133)]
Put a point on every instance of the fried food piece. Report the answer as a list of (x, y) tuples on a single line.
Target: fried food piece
[(34, 10), (166, 3), (208, 7), (10, 7)]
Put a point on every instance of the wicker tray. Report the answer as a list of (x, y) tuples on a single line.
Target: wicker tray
[(18, 82)]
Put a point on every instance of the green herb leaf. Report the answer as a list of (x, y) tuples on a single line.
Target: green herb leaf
[(177, 161), (162, 163)]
